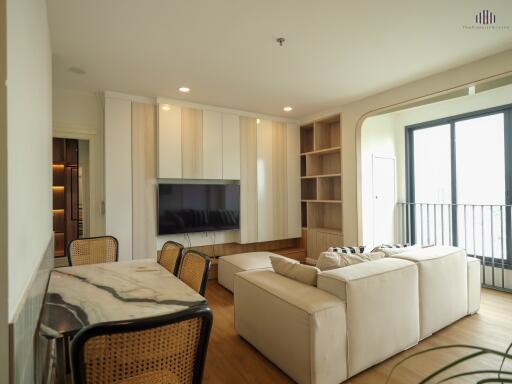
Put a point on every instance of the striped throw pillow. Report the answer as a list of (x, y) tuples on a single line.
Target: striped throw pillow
[(347, 250)]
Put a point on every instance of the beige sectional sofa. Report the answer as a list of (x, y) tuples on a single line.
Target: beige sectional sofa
[(356, 316)]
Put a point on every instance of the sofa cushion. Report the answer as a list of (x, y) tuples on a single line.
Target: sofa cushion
[(298, 327), (332, 260), (294, 270), (382, 308), (443, 282), (231, 264)]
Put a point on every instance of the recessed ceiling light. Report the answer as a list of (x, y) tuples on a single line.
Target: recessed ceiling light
[(257, 121), (184, 89), (287, 109), (166, 107), (76, 70)]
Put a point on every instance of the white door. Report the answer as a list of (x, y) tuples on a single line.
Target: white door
[(384, 200)]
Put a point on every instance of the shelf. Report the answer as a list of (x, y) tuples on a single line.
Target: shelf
[(322, 201), (327, 133), (329, 188), (319, 176), (324, 151), (308, 189), (306, 138), (326, 163), (326, 229)]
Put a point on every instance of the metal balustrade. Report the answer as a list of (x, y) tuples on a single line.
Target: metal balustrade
[(480, 229)]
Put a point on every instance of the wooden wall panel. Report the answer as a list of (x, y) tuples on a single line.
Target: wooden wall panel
[(192, 143), (293, 182), (144, 180), (230, 147), (265, 181), (118, 173), (280, 179), (248, 181), (212, 145), (169, 142), (319, 240)]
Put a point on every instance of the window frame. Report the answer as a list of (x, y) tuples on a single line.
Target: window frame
[(451, 121)]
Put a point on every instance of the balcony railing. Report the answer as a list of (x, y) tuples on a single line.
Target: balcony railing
[(483, 230)]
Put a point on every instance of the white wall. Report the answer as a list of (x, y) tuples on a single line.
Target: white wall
[(384, 135), (79, 115), (380, 137), (29, 124)]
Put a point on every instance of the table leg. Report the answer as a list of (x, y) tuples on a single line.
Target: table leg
[(60, 361)]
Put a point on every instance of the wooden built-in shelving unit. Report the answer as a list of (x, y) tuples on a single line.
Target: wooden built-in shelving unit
[(321, 195)]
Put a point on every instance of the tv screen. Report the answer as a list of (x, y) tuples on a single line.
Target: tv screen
[(185, 208)]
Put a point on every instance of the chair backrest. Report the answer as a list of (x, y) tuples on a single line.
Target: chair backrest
[(166, 349), (194, 269), (170, 256), (93, 250)]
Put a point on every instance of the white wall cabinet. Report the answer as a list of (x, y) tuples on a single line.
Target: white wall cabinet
[(169, 142), (230, 147), (197, 144), (212, 145), (270, 181)]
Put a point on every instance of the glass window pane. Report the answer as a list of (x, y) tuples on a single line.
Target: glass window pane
[(432, 171), (480, 164), (432, 184)]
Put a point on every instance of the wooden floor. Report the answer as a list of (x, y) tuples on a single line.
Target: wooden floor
[(232, 360)]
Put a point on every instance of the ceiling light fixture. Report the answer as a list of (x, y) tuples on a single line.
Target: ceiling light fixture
[(166, 107), (287, 109), (184, 89)]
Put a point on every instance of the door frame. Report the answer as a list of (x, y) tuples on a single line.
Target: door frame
[(96, 211), (383, 157)]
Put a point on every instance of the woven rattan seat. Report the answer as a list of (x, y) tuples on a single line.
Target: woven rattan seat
[(194, 269), (170, 256), (93, 250), (160, 350)]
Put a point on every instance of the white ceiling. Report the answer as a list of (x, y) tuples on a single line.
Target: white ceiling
[(336, 51)]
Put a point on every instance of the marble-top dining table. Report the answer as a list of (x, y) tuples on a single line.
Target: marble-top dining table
[(89, 294)]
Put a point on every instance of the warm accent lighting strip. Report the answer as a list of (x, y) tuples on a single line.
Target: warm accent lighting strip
[(58, 187), (58, 211), (58, 165)]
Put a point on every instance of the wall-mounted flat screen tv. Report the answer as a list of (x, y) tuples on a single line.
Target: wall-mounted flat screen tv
[(186, 208)]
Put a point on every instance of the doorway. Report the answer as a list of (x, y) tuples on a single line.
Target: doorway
[(70, 194), (384, 200)]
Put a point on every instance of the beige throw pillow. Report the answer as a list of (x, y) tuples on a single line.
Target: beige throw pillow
[(332, 260), (306, 274)]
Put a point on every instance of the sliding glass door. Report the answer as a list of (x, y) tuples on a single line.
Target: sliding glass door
[(459, 173)]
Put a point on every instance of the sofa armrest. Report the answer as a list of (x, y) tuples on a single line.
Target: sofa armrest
[(382, 308), (474, 285)]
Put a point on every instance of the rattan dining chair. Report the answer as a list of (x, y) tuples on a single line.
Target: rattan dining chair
[(93, 250), (193, 271), (169, 349), (170, 256)]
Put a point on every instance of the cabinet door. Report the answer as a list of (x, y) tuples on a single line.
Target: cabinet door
[(293, 180), (248, 181), (212, 145), (230, 147), (266, 213), (192, 143), (169, 142)]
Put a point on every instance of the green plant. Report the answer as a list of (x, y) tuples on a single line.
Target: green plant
[(495, 376)]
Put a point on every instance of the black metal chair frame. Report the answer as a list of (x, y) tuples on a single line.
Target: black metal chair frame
[(70, 262), (109, 328), (204, 279), (180, 255)]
